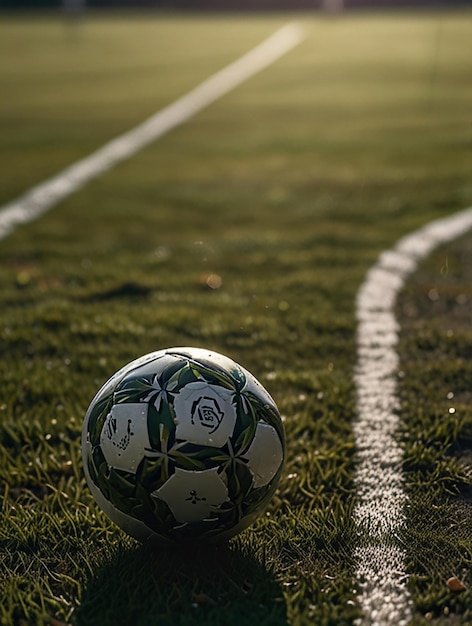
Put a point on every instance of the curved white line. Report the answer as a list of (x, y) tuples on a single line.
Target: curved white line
[(381, 498), (45, 196)]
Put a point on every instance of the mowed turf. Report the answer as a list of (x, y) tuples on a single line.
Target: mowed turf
[(286, 191), (435, 375)]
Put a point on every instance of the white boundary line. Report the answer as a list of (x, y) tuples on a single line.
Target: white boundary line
[(381, 498), (45, 196)]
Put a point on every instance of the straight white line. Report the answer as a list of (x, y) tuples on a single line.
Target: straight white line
[(45, 196), (379, 512)]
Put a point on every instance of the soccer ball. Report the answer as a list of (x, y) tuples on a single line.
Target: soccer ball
[(182, 444)]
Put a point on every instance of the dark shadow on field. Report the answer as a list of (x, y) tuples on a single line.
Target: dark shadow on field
[(178, 586)]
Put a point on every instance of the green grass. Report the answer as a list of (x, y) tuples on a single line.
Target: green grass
[(436, 374), (287, 189)]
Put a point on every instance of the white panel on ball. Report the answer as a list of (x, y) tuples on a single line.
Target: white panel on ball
[(124, 436), (264, 455), (205, 414), (192, 495)]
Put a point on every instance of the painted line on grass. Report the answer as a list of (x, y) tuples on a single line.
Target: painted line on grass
[(381, 497), (46, 195)]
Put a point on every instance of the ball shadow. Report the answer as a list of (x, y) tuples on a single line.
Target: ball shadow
[(173, 586)]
